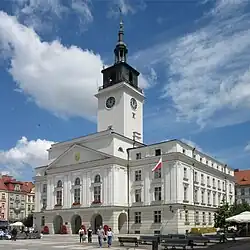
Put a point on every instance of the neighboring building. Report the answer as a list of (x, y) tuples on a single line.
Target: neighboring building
[(106, 177), (242, 187), (3, 201), (15, 193), (30, 199)]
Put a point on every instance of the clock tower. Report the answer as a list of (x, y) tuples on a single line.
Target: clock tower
[(120, 100)]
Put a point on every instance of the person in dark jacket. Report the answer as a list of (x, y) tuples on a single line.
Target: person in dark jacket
[(90, 231), (14, 233)]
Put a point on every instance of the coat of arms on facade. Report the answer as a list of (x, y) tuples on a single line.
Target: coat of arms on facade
[(77, 156)]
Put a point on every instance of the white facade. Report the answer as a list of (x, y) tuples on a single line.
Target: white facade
[(106, 178)]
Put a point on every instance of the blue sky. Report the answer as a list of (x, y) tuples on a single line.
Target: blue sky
[(193, 57)]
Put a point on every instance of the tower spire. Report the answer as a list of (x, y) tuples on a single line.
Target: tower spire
[(121, 48)]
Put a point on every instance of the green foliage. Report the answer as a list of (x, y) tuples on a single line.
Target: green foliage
[(28, 221), (225, 211)]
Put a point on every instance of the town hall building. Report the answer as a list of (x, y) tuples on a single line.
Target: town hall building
[(106, 178)]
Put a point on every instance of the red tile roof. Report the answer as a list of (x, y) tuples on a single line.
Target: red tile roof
[(8, 183), (2, 186), (242, 177)]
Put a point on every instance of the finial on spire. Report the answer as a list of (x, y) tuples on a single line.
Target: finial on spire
[(121, 48)]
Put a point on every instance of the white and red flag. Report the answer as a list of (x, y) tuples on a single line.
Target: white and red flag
[(158, 165)]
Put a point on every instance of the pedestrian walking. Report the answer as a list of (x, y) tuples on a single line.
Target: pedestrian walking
[(101, 235), (81, 233), (110, 237)]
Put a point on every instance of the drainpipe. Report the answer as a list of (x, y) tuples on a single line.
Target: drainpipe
[(128, 189)]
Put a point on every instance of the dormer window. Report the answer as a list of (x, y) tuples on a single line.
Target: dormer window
[(120, 149), (138, 156), (17, 188), (157, 152)]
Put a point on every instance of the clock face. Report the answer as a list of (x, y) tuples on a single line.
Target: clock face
[(110, 102), (133, 103)]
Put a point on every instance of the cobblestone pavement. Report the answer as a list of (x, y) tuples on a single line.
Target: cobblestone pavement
[(56, 242)]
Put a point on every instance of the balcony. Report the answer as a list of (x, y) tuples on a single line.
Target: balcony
[(96, 203), (58, 206)]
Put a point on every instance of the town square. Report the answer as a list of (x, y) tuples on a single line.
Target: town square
[(125, 124)]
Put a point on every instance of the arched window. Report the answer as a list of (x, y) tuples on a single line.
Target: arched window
[(97, 179), (77, 181), (59, 184)]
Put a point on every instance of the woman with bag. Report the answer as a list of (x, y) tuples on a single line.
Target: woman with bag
[(110, 237)]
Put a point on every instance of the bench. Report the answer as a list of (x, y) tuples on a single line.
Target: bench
[(231, 235), (148, 239), (198, 239), (123, 240), (215, 237), (176, 243)]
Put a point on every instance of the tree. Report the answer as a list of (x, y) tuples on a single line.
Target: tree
[(28, 221), (226, 211), (222, 213)]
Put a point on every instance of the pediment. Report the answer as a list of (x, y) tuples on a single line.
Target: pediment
[(77, 154)]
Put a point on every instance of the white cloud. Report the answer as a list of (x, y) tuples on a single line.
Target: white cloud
[(43, 14), (126, 7), (24, 154), (208, 70), (62, 80), (192, 144)]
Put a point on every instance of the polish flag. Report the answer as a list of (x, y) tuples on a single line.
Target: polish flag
[(158, 165)]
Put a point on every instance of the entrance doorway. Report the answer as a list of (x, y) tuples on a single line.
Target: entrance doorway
[(122, 223), (76, 223), (96, 222), (57, 223)]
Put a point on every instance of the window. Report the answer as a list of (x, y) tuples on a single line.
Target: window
[(185, 173), (28, 207), (157, 152), (186, 217), (203, 218), (137, 217), (138, 175), (207, 162), (223, 186), (219, 199), (157, 216), (59, 184), (137, 232), (202, 196), (195, 176), (97, 194), (230, 188), (196, 195), (77, 181), (17, 187), (97, 179), (44, 188), (202, 178), (208, 181), (157, 174), (213, 182), (157, 193), (200, 159), (138, 195), (230, 200), (243, 191), (183, 151), (77, 195), (197, 217), (138, 156), (29, 198), (3, 196), (209, 218), (209, 197), (59, 198), (219, 188), (185, 193), (214, 198), (44, 203)]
